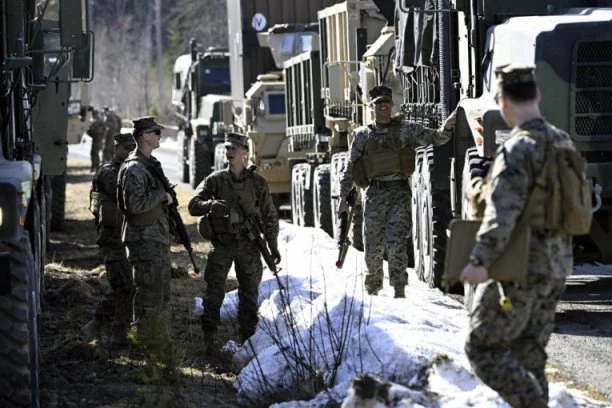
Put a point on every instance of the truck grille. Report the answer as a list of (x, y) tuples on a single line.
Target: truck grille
[(593, 89)]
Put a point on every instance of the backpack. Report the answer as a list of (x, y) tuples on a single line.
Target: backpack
[(571, 193)]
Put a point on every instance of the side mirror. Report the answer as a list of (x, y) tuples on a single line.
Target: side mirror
[(74, 24)]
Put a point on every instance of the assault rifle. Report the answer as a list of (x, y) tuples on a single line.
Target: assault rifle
[(346, 218), (255, 232), (175, 217)]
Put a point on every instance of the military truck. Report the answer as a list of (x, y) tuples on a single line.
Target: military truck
[(264, 36), (201, 84), (263, 111), (446, 56), (40, 55), (327, 100)]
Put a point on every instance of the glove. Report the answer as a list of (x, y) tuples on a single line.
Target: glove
[(276, 256), (219, 208), (236, 215)]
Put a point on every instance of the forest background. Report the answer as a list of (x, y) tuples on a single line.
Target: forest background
[(136, 44)]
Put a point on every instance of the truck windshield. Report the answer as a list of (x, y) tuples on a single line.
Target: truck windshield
[(215, 80), (216, 76)]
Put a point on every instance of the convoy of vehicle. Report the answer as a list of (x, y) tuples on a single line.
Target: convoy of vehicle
[(436, 56), (295, 80)]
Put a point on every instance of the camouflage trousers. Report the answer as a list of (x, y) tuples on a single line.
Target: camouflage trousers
[(247, 263), (386, 225), (116, 306), (507, 350), (96, 146), (152, 273)]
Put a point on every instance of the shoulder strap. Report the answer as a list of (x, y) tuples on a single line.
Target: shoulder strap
[(541, 179)]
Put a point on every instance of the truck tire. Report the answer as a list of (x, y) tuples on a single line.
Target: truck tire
[(415, 185), (37, 232), (322, 199), (58, 202), (296, 204), (435, 216), (471, 159), (304, 197), (44, 234), (182, 151), (19, 329), (200, 162), (338, 162)]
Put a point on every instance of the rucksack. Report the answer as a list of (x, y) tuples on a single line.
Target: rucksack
[(571, 193)]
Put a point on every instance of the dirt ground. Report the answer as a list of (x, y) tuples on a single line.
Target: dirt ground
[(75, 373)]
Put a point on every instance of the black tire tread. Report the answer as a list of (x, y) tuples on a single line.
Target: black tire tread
[(15, 315), (200, 163), (322, 199)]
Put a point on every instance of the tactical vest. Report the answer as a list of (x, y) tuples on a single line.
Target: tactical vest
[(145, 218), (383, 155), (244, 195)]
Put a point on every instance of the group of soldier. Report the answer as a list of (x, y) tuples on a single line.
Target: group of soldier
[(104, 125), (130, 198), (506, 348)]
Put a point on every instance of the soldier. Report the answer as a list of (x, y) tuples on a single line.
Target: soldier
[(145, 231), (226, 197), (383, 154), (507, 348), (117, 303), (112, 122), (96, 131)]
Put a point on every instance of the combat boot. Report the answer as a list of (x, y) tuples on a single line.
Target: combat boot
[(92, 330), (399, 292)]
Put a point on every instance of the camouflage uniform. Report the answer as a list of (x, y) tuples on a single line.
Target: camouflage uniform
[(117, 303), (96, 131), (113, 126), (146, 233), (387, 218), (230, 244), (507, 348)]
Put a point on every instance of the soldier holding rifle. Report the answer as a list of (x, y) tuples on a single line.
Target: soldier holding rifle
[(225, 201), (381, 159), (144, 201)]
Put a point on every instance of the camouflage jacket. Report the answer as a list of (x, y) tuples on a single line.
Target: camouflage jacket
[(105, 184), (411, 135), (112, 122), (517, 164), (218, 186), (142, 192), (97, 129)]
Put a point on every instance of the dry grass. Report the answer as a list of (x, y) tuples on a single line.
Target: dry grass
[(79, 374)]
